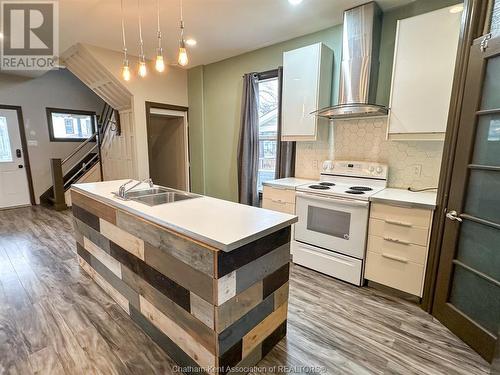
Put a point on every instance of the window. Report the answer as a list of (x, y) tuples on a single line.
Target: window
[(268, 129), (67, 125), (5, 150)]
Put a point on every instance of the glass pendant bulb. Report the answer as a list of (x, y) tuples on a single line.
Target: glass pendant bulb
[(160, 63), (143, 70), (183, 59), (126, 71)]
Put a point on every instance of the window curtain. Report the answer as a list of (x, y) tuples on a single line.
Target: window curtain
[(285, 153), (248, 146)]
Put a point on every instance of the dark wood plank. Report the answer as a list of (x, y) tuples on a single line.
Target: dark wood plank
[(92, 234), (275, 280), (86, 217), (230, 261)]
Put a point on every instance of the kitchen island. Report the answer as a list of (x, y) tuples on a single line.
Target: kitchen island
[(205, 278)]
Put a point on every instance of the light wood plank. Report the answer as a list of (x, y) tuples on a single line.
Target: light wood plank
[(111, 263), (226, 288), (187, 343), (119, 299), (202, 310), (125, 240), (281, 295), (264, 329)]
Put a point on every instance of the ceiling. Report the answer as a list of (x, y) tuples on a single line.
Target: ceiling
[(222, 28)]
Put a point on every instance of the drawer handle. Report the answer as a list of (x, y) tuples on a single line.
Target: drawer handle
[(396, 222), (278, 201), (395, 257), (396, 241)]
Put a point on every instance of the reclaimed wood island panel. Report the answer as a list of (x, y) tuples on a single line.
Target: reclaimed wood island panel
[(210, 309)]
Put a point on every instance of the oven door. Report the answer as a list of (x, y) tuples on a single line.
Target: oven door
[(332, 223)]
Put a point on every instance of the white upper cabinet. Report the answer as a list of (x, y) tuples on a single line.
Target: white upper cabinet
[(422, 77), (307, 82)]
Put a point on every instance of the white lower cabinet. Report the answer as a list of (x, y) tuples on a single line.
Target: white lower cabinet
[(398, 245)]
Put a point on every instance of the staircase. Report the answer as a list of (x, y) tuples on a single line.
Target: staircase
[(66, 172)]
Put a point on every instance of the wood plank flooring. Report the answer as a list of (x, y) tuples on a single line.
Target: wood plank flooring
[(55, 320)]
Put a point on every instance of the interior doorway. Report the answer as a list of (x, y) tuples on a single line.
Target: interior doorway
[(168, 145), (16, 189)]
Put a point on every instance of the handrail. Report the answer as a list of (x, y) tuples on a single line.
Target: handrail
[(79, 147)]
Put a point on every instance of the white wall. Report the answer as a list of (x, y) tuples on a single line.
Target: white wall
[(169, 87), (60, 89)]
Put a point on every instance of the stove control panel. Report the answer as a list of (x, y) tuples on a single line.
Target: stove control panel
[(355, 169)]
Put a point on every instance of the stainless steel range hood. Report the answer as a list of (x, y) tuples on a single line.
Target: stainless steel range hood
[(359, 67)]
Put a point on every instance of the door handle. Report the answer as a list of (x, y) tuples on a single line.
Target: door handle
[(454, 216), (18, 153), (20, 166)]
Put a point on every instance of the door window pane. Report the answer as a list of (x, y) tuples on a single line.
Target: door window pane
[(268, 130), (477, 298), (483, 198), (491, 89), (487, 148), (5, 150), (327, 221), (495, 19), (478, 247)]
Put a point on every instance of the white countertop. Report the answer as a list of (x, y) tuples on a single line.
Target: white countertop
[(216, 222), (289, 183), (423, 199)]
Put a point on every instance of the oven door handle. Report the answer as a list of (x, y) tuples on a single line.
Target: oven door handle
[(347, 202)]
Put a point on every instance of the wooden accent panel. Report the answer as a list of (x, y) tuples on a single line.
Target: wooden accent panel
[(189, 251), (228, 262), (275, 280), (281, 295), (226, 288), (125, 240), (170, 309), (264, 329), (412, 234), (202, 310), (121, 300), (83, 230), (86, 217), (279, 195), (186, 342), (287, 208), (110, 262), (239, 305), (190, 278), (404, 216), (270, 341), (93, 206)]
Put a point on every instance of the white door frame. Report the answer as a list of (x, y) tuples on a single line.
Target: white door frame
[(166, 110), (24, 150)]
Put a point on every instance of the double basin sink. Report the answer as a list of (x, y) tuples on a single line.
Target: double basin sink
[(158, 195)]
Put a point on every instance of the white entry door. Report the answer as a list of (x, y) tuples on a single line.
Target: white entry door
[(14, 190)]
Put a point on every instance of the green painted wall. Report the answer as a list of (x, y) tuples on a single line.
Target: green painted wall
[(215, 97)]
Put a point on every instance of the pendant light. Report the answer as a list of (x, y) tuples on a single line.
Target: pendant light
[(183, 59), (160, 63), (125, 68), (142, 60)]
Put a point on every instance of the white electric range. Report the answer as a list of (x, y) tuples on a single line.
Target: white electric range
[(331, 233)]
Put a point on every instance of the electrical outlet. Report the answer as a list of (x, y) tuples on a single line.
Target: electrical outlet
[(417, 170), (315, 164)]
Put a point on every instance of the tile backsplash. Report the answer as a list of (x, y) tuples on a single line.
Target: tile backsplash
[(413, 164)]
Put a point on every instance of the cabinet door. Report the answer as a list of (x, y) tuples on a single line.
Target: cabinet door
[(301, 69), (422, 78)]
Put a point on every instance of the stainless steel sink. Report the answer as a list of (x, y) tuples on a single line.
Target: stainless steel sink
[(159, 195)]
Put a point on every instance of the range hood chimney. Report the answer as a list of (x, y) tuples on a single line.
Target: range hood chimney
[(359, 67)]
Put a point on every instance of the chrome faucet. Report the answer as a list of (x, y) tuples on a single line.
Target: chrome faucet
[(122, 191)]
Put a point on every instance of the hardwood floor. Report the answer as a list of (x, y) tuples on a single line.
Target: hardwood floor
[(55, 320)]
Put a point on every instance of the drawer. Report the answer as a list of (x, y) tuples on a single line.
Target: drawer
[(287, 208), (404, 251), (402, 216), (278, 195), (337, 265), (411, 234), (407, 277)]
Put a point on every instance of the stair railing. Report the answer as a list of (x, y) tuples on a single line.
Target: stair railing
[(56, 166)]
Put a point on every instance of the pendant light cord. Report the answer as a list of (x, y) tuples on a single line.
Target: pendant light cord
[(123, 31), (182, 24), (140, 30), (159, 29)]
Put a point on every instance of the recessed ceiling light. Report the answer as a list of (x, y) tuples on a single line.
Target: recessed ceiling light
[(457, 8), (295, 2), (191, 42)]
